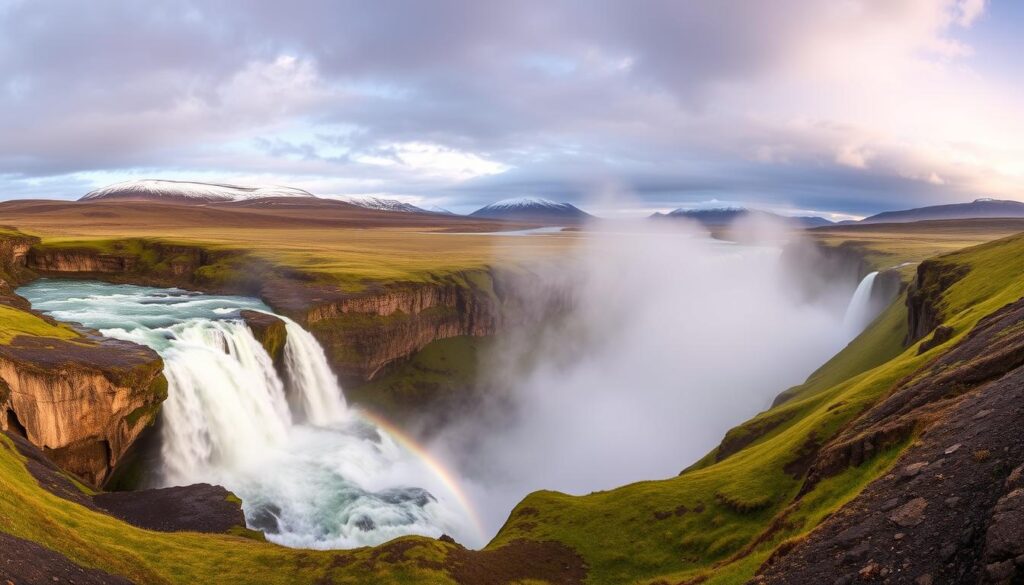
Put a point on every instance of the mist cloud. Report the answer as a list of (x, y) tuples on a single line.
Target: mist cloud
[(673, 339)]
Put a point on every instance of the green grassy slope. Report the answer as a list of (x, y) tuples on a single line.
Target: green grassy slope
[(17, 322), (722, 519)]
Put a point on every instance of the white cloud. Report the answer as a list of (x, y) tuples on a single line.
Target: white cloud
[(434, 160), (970, 10), (854, 156), (677, 101)]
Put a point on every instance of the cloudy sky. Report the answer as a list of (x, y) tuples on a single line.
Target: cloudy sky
[(842, 106)]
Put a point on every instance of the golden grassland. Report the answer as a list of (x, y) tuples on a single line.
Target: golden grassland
[(335, 244), (889, 245)]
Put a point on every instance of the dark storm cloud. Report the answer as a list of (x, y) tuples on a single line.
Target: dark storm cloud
[(672, 100)]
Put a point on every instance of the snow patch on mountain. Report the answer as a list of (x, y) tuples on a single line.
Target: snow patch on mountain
[(439, 210), (380, 203), (528, 203), (190, 191)]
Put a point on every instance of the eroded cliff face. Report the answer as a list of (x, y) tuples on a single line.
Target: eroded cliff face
[(363, 333), (83, 402), (272, 334), (145, 262), (14, 251), (954, 494), (924, 297)]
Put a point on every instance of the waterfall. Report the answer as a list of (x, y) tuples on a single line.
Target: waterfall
[(859, 312), (315, 384), (225, 401), (310, 472)]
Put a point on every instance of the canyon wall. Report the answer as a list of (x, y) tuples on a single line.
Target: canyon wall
[(85, 403), (14, 249), (362, 332)]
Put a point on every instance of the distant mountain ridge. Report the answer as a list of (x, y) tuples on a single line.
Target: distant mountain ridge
[(381, 204), (534, 209), (977, 209), (198, 192), (189, 191), (723, 216)]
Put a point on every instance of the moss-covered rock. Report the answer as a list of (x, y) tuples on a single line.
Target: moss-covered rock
[(271, 332)]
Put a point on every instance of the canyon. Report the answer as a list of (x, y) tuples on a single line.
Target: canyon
[(86, 400), (373, 330)]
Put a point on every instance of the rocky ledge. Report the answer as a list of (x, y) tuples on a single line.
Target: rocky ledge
[(82, 401)]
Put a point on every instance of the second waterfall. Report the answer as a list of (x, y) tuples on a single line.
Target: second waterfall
[(311, 472)]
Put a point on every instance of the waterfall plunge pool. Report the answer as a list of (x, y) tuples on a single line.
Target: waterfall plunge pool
[(312, 472)]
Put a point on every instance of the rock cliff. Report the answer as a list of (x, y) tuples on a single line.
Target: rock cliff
[(14, 249), (270, 331), (84, 402), (365, 332), (924, 297)]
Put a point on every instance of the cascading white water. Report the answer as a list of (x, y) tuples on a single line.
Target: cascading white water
[(225, 402), (318, 476), (859, 312), (317, 386)]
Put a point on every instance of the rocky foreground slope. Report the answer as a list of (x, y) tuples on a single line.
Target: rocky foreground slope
[(952, 508)]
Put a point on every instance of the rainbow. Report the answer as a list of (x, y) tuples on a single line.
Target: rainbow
[(443, 474)]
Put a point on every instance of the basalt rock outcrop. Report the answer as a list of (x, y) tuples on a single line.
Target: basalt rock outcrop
[(147, 262), (14, 251), (83, 402), (924, 297)]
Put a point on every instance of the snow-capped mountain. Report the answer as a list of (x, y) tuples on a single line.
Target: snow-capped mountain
[(722, 216), (439, 210), (380, 203), (189, 191), (532, 209)]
